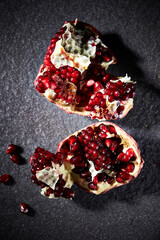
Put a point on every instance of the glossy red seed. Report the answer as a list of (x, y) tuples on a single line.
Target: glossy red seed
[(47, 62), (125, 158), (11, 149), (120, 109), (94, 145), (92, 186), (69, 69), (72, 140), (125, 176), (119, 179), (130, 153), (75, 147), (110, 180), (75, 74), (97, 86), (24, 208), (74, 80), (130, 167), (111, 98), (95, 154), (15, 158), (116, 94), (108, 142), (4, 178)]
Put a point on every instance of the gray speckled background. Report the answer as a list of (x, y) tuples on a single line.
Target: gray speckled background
[(29, 120)]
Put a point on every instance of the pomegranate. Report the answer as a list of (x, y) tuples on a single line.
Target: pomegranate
[(100, 157), (74, 75), (48, 171), (97, 158)]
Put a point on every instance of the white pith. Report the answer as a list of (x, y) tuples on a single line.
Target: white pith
[(71, 51), (50, 176)]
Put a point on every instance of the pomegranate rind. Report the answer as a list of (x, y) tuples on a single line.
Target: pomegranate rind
[(103, 187), (73, 109)]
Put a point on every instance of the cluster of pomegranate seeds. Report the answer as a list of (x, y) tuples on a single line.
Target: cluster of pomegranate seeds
[(42, 159), (119, 91), (103, 54), (55, 79), (99, 146), (4, 178)]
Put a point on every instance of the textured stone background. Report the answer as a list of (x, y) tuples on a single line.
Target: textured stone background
[(132, 30)]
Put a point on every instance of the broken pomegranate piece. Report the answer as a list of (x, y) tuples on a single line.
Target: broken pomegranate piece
[(74, 76), (49, 173), (101, 157)]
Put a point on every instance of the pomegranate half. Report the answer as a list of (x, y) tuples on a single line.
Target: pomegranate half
[(97, 158), (74, 75), (101, 156)]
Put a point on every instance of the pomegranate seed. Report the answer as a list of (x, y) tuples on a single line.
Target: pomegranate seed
[(75, 74), (103, 103), (110, 98), (72, 140), (68, 193), (70, 69), (113, 146), (110, 180), (94, 145), (106, 78), (95, 180), (97, 86), (88, 108), (4, 178), (130, 153), (112, 129), (49, 191), (116, 94), (75, 147), (125, 176), (95, 154), (74, 80), (119, 179), (120, 110), (47, 62), (15, 158), (11, 149), (102, 135), (120, 156), (24, 208), (125, 158), (108, 142), (92, 186), (90, 130), (130, 167), (58, 158)]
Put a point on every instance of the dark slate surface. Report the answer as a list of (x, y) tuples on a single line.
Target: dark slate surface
[(29, 120)]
